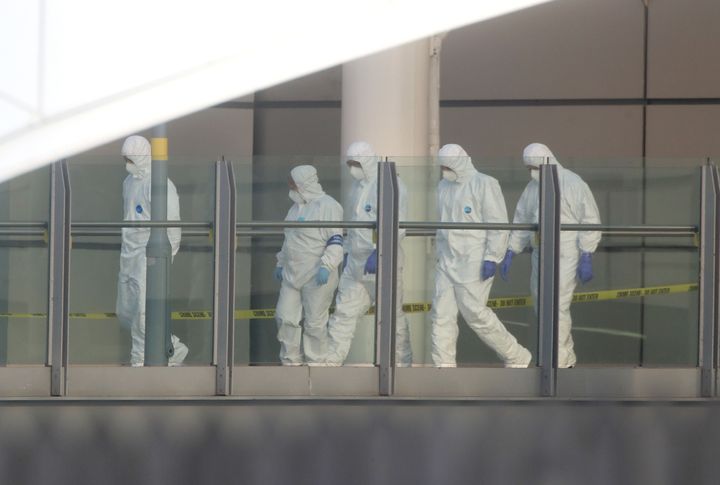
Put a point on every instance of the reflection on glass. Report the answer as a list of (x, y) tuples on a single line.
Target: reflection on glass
[(24, 268), (108, 266), (612, 323)]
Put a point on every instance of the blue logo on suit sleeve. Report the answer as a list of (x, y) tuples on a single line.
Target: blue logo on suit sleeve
[(301, 218), (368, 207), (139, 209), (467, 209)]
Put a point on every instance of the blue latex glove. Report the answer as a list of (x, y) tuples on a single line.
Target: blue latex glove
[(584, 268), (488, 269), (344, 261), (505, 264), (277, 274), (371, 263), (322, 276)]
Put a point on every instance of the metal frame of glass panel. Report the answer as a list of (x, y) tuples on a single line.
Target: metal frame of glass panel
[(33, 380), (225, 378)]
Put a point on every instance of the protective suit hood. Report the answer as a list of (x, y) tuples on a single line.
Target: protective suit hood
[(363, 153), (306, 180), (535, 154), (456, 158), (137, 149)]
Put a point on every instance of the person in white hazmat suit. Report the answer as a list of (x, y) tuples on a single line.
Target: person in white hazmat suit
[(577, 206), (467, 260), (356, 292), (130, 306), (307, 266)]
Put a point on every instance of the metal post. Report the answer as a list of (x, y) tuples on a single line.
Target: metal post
[(386, 280), (549, 226), (158, 346), (716, 295), (59, 246), (708, 281), (224, 294), (4, 280)]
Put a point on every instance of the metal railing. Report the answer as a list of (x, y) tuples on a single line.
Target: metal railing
[(226, 230)]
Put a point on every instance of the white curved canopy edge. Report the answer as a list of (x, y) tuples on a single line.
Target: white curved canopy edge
[(80, 73)]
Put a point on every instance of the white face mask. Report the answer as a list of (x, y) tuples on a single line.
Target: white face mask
[(535, 175), (296, 197), (450, 175), (132, 168), (357, 172)]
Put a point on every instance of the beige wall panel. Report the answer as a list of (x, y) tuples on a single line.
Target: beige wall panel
[(320, 86), (294, 131), (563, 49), (683, 47), (208, 133), (213, 132), (577, 131), (683, 131)]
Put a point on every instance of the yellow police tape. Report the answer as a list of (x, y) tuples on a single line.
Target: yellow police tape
[(504, 302)]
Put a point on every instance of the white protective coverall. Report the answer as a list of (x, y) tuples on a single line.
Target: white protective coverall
[(130, 306), (356, 292), (577, 206), (304, 253), (473, 198)]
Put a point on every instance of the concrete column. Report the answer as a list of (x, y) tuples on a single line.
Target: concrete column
[(385, 101)]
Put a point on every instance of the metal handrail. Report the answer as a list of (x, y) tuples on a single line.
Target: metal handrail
[(429, 228), (14, 232), (103, 230), (140, 224), (486, 226), (29, 225), (252, 233), (652, 230), (307, 224), (681, 230), (117, 233)]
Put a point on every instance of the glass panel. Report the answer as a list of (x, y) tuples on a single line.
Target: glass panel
[(262, 187), (95, 283), (661, 329), (24, 268), (607, 327), (459, 283)]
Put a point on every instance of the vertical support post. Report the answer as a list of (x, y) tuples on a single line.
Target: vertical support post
[(716, 296), (59, 247), (4, 279), (708, 279), (386, 281), (224, 294), (549, 226), (158, 346)]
